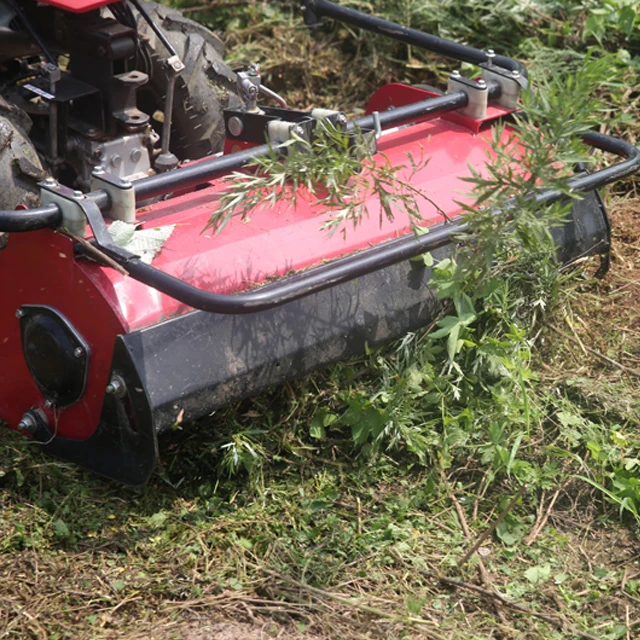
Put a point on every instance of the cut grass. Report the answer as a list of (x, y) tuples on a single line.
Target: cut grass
[(360, 549)]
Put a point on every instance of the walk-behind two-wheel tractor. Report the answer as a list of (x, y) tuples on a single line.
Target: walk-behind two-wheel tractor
[(104, 344)]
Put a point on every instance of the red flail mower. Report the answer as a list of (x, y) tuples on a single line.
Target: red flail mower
[(101, 104)]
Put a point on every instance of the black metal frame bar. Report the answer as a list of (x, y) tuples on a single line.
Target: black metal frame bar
[(161, 184), (313, 280), (314, 9), (354, 266), (200, 172)]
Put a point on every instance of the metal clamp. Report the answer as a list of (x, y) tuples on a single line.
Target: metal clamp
[(73, 218), (476, 92), (279, 131), (511, 83), (121, 195), (78, 210)]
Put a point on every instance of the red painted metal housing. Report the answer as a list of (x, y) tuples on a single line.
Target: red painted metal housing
[(78, 6), (101, 303)]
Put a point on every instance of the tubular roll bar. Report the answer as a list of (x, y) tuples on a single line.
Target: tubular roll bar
[(318, 278), (314, 9), (49, 216), (367, 261)]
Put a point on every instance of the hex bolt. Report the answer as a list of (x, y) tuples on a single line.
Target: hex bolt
[(236, 126), (78, 352), (27, 423), (491, 54), (116, 387), (455, 74), (482, 84), (78, 194), (19, 314), (515, 73), (98, 171), (50, 182)]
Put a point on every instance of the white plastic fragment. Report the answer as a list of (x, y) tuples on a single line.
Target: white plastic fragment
[(145, 243)]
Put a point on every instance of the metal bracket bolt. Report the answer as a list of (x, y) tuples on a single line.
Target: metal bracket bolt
[(116, 387), (476, 92), (511, 83), (30, 420), (121, 195)]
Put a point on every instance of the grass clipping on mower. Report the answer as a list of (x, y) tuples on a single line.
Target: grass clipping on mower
[(335, 170)]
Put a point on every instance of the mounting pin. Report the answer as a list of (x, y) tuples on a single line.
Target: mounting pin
[(116, 387)]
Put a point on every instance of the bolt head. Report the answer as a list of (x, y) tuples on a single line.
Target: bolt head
[(482, 84), (50, 182), (135, 155), (27, 423), (455, 74), (116, 161), (236, 126), (78, 194), (515, 73), (19, 314), (116, 387), (78, 352)]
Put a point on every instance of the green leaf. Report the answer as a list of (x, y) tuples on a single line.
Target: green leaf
[(509, 534), (414, 605), (447, 324), (157, 520), (60, 529), (464, 308), (539, 573), (316, 428), (626, 20), (118, 585), (453, 344)]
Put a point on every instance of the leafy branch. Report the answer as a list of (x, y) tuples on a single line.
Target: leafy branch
[(336, 171)]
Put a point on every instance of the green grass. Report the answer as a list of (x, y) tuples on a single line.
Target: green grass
[(347, 504)]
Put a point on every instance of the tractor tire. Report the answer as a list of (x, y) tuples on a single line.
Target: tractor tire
[(20, 167), (202, 90)]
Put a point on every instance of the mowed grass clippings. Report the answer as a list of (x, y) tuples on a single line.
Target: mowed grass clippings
[(320, 547)]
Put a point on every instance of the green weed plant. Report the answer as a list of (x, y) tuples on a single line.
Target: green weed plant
[(468, 390)]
